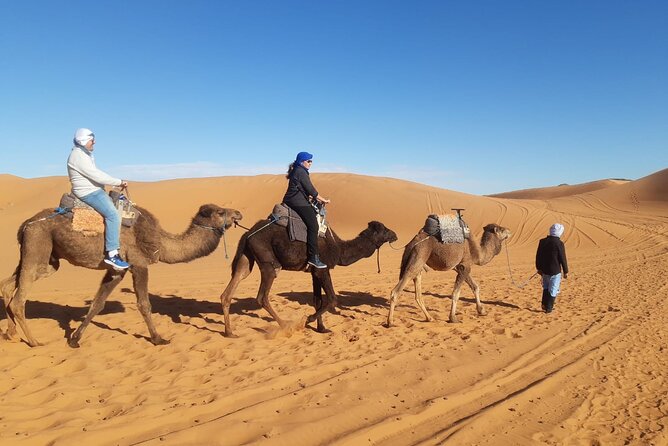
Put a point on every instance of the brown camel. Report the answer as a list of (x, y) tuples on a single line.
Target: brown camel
[(269, 246), (425, 252), (46, 238)]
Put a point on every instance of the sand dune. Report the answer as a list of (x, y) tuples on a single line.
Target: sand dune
[(592, 372), (563, 190)]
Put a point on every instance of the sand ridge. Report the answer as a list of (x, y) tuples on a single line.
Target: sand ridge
[(592, 372)]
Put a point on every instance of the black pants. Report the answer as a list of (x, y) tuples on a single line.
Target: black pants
[(307, 213)]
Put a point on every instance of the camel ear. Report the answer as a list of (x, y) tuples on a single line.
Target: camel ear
[(206, 211), (375, 226)]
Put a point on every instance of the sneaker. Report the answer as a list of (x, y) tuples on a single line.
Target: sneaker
[(316, 263), (116, 262)]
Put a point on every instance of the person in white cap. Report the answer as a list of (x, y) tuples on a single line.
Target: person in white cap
[(88, 186), (550, 262)]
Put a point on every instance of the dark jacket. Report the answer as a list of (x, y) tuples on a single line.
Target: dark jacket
[(299, 187), (551, 256)]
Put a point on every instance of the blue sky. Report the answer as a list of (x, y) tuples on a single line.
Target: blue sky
[(479, 97)]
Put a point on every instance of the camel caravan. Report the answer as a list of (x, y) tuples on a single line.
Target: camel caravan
[(295, 237), (48, 237)]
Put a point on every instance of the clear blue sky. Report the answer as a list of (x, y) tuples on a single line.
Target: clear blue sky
[(478, 97)]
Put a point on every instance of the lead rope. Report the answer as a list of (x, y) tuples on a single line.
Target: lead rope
[(523, 284), (378, 258), (224, 231)]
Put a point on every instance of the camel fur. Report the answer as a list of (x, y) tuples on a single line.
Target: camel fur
[(45, 241), (269, 246), (425, 252)]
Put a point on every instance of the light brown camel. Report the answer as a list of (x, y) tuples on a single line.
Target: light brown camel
[(46, 238), (425, 252), (269, 246)]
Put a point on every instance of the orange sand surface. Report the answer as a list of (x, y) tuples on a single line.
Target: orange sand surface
[(592, 372)]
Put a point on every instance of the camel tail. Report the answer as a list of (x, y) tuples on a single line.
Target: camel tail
[(241, 253), (406, 258), (8, 285)]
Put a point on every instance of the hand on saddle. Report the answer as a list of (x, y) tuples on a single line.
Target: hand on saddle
[(322, 199), (124, 185)]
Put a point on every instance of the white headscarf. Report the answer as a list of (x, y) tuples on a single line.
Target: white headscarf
[(557, 229), (82, 136)]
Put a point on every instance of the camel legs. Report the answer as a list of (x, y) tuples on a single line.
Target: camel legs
[(322, 279), (140, 283), (476, 292), (268, 275), (411, 272), (418, 297), (109, 282), (242, 269), (14, 292), (461, 275)]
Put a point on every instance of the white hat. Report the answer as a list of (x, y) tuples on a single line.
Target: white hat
[(557, 229), (82, 136)]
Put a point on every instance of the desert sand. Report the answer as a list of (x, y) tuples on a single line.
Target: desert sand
[(592, 372)]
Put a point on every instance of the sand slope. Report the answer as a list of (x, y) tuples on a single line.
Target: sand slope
[(563, 190), (593, 372)]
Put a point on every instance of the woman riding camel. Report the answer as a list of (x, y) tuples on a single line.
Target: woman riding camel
[(298, 197), (88, 186)]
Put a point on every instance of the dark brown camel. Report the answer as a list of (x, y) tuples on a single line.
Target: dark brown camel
[(45, 241), (272, 250), (425, 252)]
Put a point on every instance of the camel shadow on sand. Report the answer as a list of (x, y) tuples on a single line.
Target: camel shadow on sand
[(498, 303), (179, 307), (65, 314), (347, 300)]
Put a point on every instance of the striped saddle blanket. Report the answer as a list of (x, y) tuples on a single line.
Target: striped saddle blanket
[(447, 228)]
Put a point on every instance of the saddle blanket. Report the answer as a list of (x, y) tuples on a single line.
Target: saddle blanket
[(87, 220), (287, 218), (447, 228)]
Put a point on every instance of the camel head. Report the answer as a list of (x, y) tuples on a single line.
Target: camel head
[(379, 234), (216, 217), (499, 231)]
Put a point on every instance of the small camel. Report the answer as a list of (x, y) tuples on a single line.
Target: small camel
[(269, 246), (425, 252), (46, 238)]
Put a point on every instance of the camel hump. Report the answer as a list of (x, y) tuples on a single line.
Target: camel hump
[(447, 228)]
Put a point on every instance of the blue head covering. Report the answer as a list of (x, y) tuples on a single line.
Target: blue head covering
[(302, 156)]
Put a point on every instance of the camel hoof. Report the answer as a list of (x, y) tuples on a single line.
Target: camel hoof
[(73, 344), (323, 330), (454, 321), (160, 341), (231, 335), (388, 325), (310, 319)]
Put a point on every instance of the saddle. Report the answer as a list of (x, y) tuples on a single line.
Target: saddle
[(447, 228), (88, 221), (283, 216)]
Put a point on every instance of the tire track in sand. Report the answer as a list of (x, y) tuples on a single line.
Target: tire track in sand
[(444, 416)]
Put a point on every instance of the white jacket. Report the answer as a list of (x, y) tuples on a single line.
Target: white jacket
[(85, 177)]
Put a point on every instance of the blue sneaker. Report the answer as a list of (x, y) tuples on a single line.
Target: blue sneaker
[(116, 262), (316, 263)]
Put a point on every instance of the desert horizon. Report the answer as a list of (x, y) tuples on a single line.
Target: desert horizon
[(592, 372)]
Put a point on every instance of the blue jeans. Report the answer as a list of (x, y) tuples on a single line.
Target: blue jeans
[(552, 283), (101, 202)]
